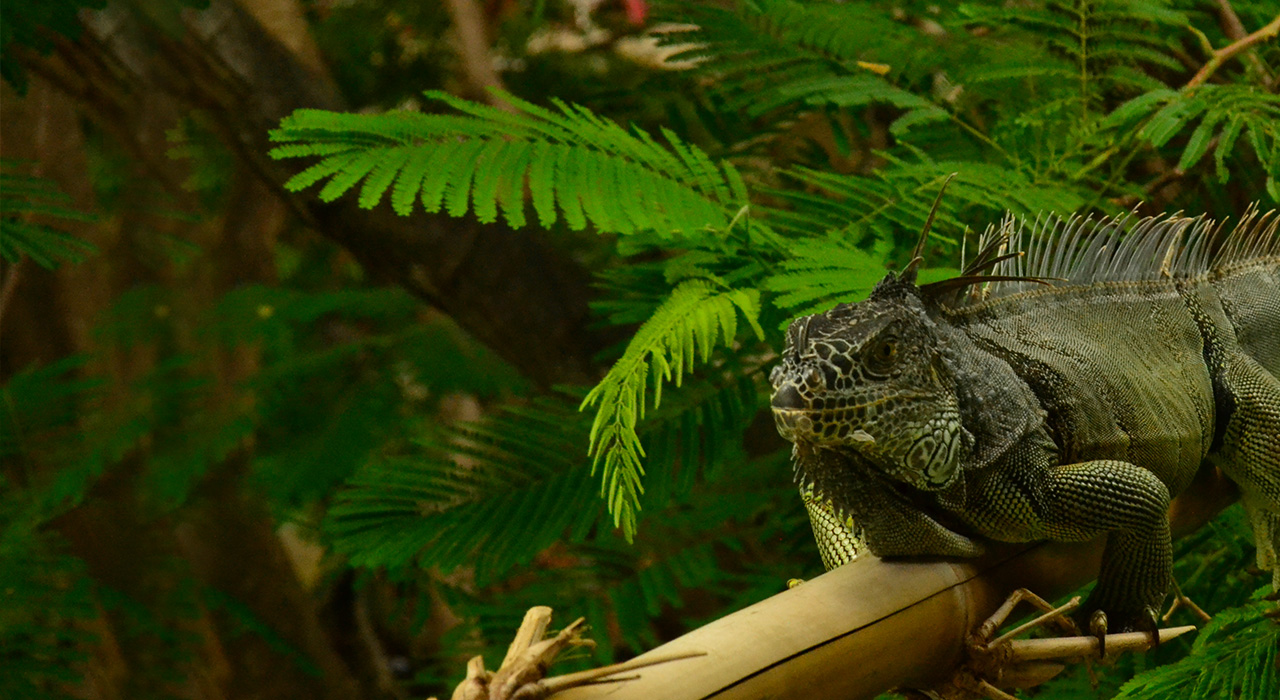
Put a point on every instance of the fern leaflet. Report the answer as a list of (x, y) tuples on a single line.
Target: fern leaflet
[(1233, 657), (682, 331), (1225, 113), (492, 493), (23, 197), (579, 167)]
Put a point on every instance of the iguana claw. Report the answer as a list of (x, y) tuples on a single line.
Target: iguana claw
[(1148, 622), (1151, 621), (1098, 628)]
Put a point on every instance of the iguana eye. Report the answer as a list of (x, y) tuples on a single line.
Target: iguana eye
[(881, 354)]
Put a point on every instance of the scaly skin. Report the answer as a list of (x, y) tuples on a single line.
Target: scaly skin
[(1059, 414)]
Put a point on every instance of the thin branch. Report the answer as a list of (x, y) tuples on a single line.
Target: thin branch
[(1080, 647), (1230, 21), (473, 49), (1228, 52), (1234, 29), (10, 285)]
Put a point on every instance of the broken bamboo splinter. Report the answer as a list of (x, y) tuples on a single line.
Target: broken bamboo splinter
[(1073, 647), (521, 675)]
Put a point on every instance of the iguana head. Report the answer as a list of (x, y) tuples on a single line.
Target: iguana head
[(868, 378)]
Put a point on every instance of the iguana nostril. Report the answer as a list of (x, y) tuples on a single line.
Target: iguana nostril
[(788, 397)]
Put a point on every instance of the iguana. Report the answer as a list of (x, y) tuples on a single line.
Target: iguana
[(1060, 395)]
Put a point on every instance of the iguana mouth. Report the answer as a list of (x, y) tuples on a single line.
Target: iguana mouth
[(797, 425)]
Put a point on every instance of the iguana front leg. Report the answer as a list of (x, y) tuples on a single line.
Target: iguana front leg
[(1131, 505), (1075, 502)]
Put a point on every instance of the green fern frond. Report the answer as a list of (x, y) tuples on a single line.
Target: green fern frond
[(578, 166), (1224, 113), (1212, 564), (860, 90), (698, 430), (683, 331), (1234, 656), (491, 494), (39, 402), (764, 53), (1084, 46), (897, 199), (25, 202), (204, 441), (823, 273), (836, 214), (692, 546), (46, 603)]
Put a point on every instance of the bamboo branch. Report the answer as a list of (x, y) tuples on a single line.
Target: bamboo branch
[(872, 625), (1229, 51)]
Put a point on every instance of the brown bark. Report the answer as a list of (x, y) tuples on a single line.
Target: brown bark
[(223, 539)]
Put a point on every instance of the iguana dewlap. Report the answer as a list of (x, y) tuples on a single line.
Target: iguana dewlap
[(929, 418)]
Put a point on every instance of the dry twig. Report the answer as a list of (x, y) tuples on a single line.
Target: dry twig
[(522, 673), (1229, 51)]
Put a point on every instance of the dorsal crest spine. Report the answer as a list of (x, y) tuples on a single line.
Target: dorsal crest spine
[(1078, 250)]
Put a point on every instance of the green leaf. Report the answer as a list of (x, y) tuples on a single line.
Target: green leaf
[(685, 328), (1198, 144), (1233, 656), (476, 162), (27, 204)]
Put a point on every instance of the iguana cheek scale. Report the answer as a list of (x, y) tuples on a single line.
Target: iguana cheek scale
[(929, 419)]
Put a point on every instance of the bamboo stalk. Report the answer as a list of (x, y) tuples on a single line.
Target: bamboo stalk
[(872, 625), (1069, 647)]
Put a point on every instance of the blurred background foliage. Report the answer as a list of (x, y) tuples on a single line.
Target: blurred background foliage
[(328, 427)]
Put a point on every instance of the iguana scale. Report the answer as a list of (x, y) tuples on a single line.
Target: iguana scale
[(928, 419)]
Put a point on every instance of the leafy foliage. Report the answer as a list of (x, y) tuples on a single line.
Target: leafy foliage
[(778, 53), (432, 507), (578, 166), (1225, 113), (24, 197), (783, 171), (1233, 656), (46, 602), (685, 329), (45, 597)]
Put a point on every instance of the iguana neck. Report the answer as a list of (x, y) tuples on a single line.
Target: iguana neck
[(997, 407)]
